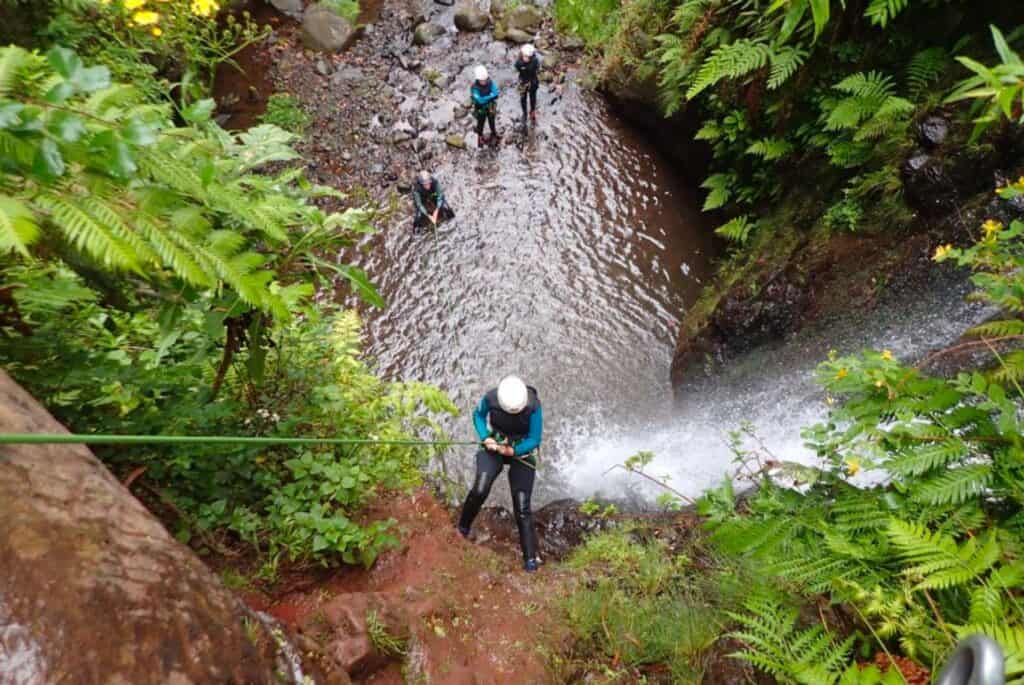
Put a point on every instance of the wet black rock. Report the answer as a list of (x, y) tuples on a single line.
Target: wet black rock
[(933, 132), (927, 186), (560, 526), (324, 30), (774, 311), (427, 33), (470, 18)]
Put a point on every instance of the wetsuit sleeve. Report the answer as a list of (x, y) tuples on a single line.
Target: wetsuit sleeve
[(440, 194), (418, 201), (532, 439), (480, 418), (477, 97), (495, 91)]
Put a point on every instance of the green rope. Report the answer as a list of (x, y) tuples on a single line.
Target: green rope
[(91, 439), (96, 439)]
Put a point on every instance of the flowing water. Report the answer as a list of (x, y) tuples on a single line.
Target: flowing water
[(574, 255)]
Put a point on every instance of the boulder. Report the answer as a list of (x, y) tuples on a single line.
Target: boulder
[(293, 8), (402, 131), (324, 30), (932, 132), (456, 141), (927, 186), (345, 622), (469, 18), (94, 585), (347, 74), (517, 36), (427, 33), (524, 17), (497, 9)]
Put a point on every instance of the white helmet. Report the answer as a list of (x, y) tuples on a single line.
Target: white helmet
[(480, 73), (512, 394), (528, 51), (424, 177)]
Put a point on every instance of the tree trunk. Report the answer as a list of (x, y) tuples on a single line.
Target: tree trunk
[(93, 589)]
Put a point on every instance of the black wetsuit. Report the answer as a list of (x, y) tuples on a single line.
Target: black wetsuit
[(523, 431), (529, 81)]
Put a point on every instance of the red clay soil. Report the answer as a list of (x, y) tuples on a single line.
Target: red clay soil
[(473, 615)]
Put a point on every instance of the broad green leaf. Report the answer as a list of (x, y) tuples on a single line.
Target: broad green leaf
[(66, 126), (60, 92), (199, 112), (48, 162), (64, 61), (10, 114), (138, 132), (820, 12), (92, 79)]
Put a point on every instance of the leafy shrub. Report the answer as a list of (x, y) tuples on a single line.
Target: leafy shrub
[(634, 607), (594, 21), (349, 9), (845, 215)]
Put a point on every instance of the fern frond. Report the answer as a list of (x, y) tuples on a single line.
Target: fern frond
[(925, 69), (737, 230), (987, 605), (14, 63), (785, 62), (998, 329), (87, 234), (881, 12), (919, 460), (770, 148), (730, 61), (18, 228), (720, 187), (955, 486)]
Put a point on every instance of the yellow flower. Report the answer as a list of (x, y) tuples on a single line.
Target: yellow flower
[(941, 252), (991, 227), (829, 400), (204, 8), (887, 355), (145, 17), (879, 383), (133, 4), (1020, 181), (841, 374), (852, 466), (156, 31)]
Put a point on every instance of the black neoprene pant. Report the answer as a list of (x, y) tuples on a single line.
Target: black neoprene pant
[(487, 114), (528, 89), (520, 482)]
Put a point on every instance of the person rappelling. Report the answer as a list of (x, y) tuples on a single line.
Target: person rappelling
[(429, 202), (484, 92), (509, 421), (528, 66)]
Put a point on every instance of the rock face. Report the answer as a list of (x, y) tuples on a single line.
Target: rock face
[(94, 586), (560, 525), (427, 33), (518, 36), (470, 18), (324, 30), (292, 8)]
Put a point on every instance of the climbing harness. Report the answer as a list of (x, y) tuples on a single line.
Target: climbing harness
[(98, 439)]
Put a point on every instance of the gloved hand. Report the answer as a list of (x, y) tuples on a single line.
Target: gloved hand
[(491, 445)]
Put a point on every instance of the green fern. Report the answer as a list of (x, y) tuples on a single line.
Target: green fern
[(772, 643), (919, 459), (926, 68), (720, 187), (737, 230), (730, 61), (937, 561), (770, 149), (998, 329), (881, 12), (955, 486), (18, 228), (786, 61)]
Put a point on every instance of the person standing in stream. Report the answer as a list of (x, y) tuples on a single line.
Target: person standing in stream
[(509, 421), (484, 92), (528, 66)]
